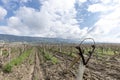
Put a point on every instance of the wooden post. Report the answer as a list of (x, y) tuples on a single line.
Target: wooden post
[(1, 51), (81, 71), (9, 52), (44, 48), (81, 68), (83, 62), (60, 47)]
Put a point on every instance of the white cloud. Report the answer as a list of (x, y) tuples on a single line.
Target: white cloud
[(82, 1), (61, 16), (8, 1), (104, 6), (8, 30), (56, 18), (99, 7), (24, 1), (16, 24), (3, 13), (108, 26), (106, 1), (13, 4)]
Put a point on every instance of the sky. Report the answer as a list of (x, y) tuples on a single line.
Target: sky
[(68, 19)]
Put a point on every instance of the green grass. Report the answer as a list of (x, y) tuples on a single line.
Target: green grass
[(109, 52), (5, 52), (50, 57), (47, 56), (54, 60), (8, 67), (104, 52)]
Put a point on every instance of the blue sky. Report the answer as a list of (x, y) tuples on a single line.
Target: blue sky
[(76, 19)]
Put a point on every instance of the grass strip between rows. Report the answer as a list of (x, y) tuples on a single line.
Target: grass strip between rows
[(8, 67)]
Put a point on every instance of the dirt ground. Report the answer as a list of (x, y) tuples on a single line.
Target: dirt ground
[(101, 68)]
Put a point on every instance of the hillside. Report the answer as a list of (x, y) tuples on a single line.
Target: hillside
[(14, 38)]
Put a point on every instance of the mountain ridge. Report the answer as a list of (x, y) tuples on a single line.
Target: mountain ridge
[(15, 38)]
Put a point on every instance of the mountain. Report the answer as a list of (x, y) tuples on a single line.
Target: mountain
[(14, 38)]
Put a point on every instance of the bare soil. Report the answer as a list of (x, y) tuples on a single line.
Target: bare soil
[(101, 68)]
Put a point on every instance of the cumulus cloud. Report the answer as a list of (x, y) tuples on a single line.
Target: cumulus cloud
[(108, 26), (3, 13), (24, 1), (56, 18), (13, 4), (8, 1), (82, 1), (8, 30)]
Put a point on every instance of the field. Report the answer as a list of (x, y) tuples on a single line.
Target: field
[(52, 62)]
